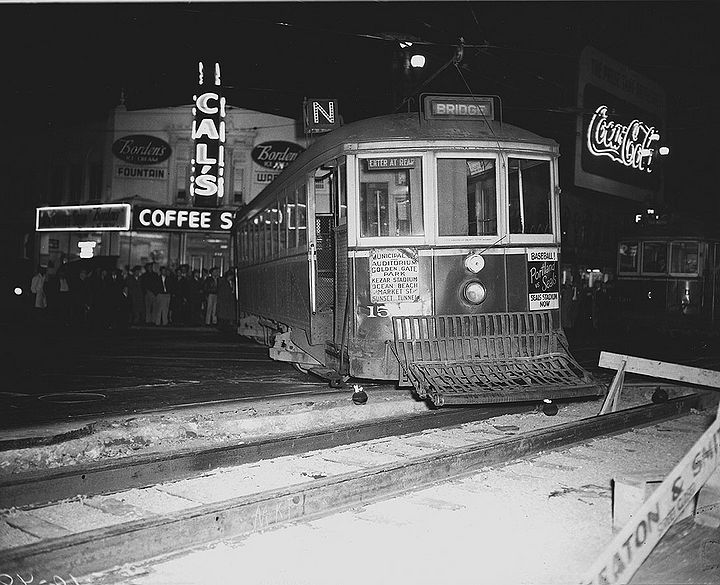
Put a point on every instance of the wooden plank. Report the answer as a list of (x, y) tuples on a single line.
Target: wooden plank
[(658, 369), (688, 554), (630, 492), (613, 396), (708, 503), (141, 539), (633, 544)]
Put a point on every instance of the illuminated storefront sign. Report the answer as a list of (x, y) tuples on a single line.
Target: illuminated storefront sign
[(141, 149), (265, 177), (630, 145), (276, 154), (321, 115), (87, 249), (619, 129), (157, 174), (207, 181), (458, 108), (108, 217), (182, 219)]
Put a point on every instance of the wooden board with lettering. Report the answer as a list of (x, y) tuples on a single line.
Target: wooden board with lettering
[(634, 543)]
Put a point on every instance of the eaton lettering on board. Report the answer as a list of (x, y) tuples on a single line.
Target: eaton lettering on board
[(543, 282), (394, 275)]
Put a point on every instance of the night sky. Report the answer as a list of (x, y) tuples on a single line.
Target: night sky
[(68, 62)]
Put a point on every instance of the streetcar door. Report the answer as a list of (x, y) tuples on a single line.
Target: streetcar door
[(322, 251)]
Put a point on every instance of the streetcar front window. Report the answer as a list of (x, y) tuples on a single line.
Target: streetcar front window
[(654, 258), (391, 197), (529, 191), (684, 257), (467, 197), (628, 257)]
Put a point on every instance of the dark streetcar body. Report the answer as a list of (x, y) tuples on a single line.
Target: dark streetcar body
[(413, 249), (668, 276)]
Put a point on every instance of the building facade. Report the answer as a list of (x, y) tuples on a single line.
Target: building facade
[(122, 189)]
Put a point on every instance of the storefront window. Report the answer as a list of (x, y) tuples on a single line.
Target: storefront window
[(529, 196), (654, 258), (391, 197), (628, 257), (139, 248), (684, 257), (467, 197)]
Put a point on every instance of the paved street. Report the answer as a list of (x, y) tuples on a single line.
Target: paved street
[(55, 374)]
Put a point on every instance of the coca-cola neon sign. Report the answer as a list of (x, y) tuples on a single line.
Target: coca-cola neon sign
[(630, 145)]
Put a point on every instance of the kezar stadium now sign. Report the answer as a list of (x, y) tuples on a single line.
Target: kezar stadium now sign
[(141, 149)]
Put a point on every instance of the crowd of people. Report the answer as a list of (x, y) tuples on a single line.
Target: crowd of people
[(148, 295)]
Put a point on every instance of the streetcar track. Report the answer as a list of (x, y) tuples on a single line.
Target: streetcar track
[(49, 485), (140, 539)]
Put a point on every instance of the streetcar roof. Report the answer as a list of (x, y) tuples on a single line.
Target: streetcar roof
[(399, 128), (409, 126)]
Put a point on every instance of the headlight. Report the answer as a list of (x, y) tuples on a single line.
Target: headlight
[(18, 291), (474, 293)]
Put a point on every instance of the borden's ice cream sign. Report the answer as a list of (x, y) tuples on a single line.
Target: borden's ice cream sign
[(207, 181)]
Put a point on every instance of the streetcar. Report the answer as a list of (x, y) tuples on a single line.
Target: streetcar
[(421, 248), (668, 274)]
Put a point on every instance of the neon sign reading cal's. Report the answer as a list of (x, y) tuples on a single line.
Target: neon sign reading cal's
[(208, 134), (629, 145)]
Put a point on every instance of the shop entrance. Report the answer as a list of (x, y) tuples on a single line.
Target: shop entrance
[(207, 250)]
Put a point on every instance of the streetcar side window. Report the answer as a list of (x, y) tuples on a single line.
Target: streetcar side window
[(529, 196), (256, 238), (342, 193), (684, 257), (301, 216), (467, 197), (654, 257), (391, 197), (628, 257), (282, 220)]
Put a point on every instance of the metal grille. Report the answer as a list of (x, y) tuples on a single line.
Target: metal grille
[(494, 357)]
